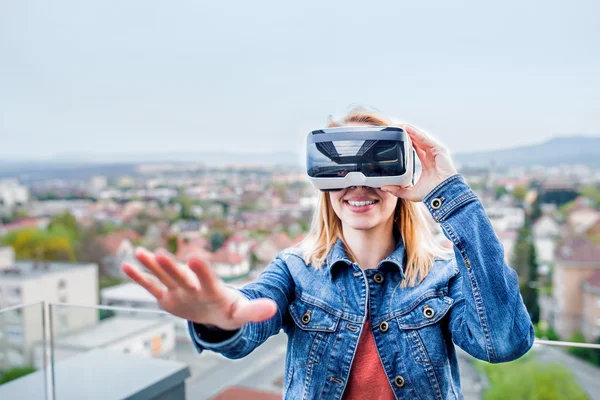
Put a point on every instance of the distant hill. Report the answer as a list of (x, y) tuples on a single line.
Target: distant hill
[(83, 166), (561, 150)]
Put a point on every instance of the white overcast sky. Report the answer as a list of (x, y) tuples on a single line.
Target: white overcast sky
[(143, 76)]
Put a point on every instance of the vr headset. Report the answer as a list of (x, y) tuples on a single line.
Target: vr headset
[(373, 156)]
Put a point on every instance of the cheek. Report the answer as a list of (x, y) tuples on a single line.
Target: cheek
[(334, 199), (389, 204)]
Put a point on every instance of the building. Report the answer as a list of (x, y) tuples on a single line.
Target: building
[(131, 295), (506, 218), (545, 232), (591, 307), (228, 264), (508, 240), (148, 337), (577, 261), (12, 193), (581, 217), (267, 249), (33, 282), (103, 374), (120, 248)]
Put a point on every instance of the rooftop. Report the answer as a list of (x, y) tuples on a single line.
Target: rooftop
[(128, 291), (109, 331), (579, 250), (113, 376), (31, 269)]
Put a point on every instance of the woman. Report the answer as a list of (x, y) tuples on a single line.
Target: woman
[(373, 307)]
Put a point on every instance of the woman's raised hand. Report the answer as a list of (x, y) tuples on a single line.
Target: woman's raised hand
[(436, 163), (195, 293)]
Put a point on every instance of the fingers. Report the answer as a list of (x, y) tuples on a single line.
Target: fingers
[(403, 193), (209, 281), (419, 138), (178, 273), (147, 281), (147, 258), (258, 310)]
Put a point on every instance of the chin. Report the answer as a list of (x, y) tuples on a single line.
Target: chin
[(360, 225)]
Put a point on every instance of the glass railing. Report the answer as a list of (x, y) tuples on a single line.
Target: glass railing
[(550, 370), (113, 352), (24, 350), (103, 352)]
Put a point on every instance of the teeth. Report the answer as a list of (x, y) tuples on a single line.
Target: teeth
[(361, 203)]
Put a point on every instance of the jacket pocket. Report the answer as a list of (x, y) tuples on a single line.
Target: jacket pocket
[(423, 325), (313, 328)]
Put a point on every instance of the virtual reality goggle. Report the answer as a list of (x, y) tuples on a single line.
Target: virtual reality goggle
[(373, 156)]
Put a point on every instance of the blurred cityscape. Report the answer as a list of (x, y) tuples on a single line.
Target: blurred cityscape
[(64, 238)]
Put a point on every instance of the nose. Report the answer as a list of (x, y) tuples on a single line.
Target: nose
[(363, 187)]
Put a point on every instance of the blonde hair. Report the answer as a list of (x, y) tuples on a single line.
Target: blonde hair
[(421, 248)]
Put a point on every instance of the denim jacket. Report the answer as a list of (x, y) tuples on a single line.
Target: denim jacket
[(471, 300)]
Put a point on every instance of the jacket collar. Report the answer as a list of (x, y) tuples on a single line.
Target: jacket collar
[(337, 257)]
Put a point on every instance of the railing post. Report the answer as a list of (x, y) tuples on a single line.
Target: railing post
[(48, 355)]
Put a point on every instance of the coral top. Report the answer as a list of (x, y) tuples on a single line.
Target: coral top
[(367, 377)]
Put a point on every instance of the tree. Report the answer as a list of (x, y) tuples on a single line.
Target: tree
[(172, 244), (590, 355), (524, 261), (526, 379), (40, 245), (530, 292), (216, 240), (519, 193), (500, 191), (65, 223)]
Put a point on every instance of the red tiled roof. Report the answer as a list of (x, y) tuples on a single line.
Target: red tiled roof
[(23, 223), (188, 253), (236, 393), (281, 241), (235, 239), (580, 250), (113, 240), (223, 255), (193, 248)]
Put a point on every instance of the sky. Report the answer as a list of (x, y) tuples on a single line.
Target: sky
[(146, 76)]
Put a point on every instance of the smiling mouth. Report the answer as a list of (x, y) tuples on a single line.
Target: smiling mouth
[(365, 203)]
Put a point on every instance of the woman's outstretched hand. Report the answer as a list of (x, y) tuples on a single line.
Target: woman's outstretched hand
[(195, 293), (436, 163)]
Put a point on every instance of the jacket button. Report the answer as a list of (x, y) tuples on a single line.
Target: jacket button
[(436, 203), (428, 312), (306, 317), (383, 327), (378, 278), (399, 381)]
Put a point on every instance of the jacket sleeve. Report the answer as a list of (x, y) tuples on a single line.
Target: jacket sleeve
[(274, 283), (488, 319)]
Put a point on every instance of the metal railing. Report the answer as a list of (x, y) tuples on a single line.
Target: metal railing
[(59, 332)]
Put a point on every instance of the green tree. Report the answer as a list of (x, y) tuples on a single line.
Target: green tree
[(590, 355), (37, 244), (526, 379), (592, 192), (500, 191), (15, 373), (66, 224), (519, 193), (524, 261), (172, 244), (216, 240)]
